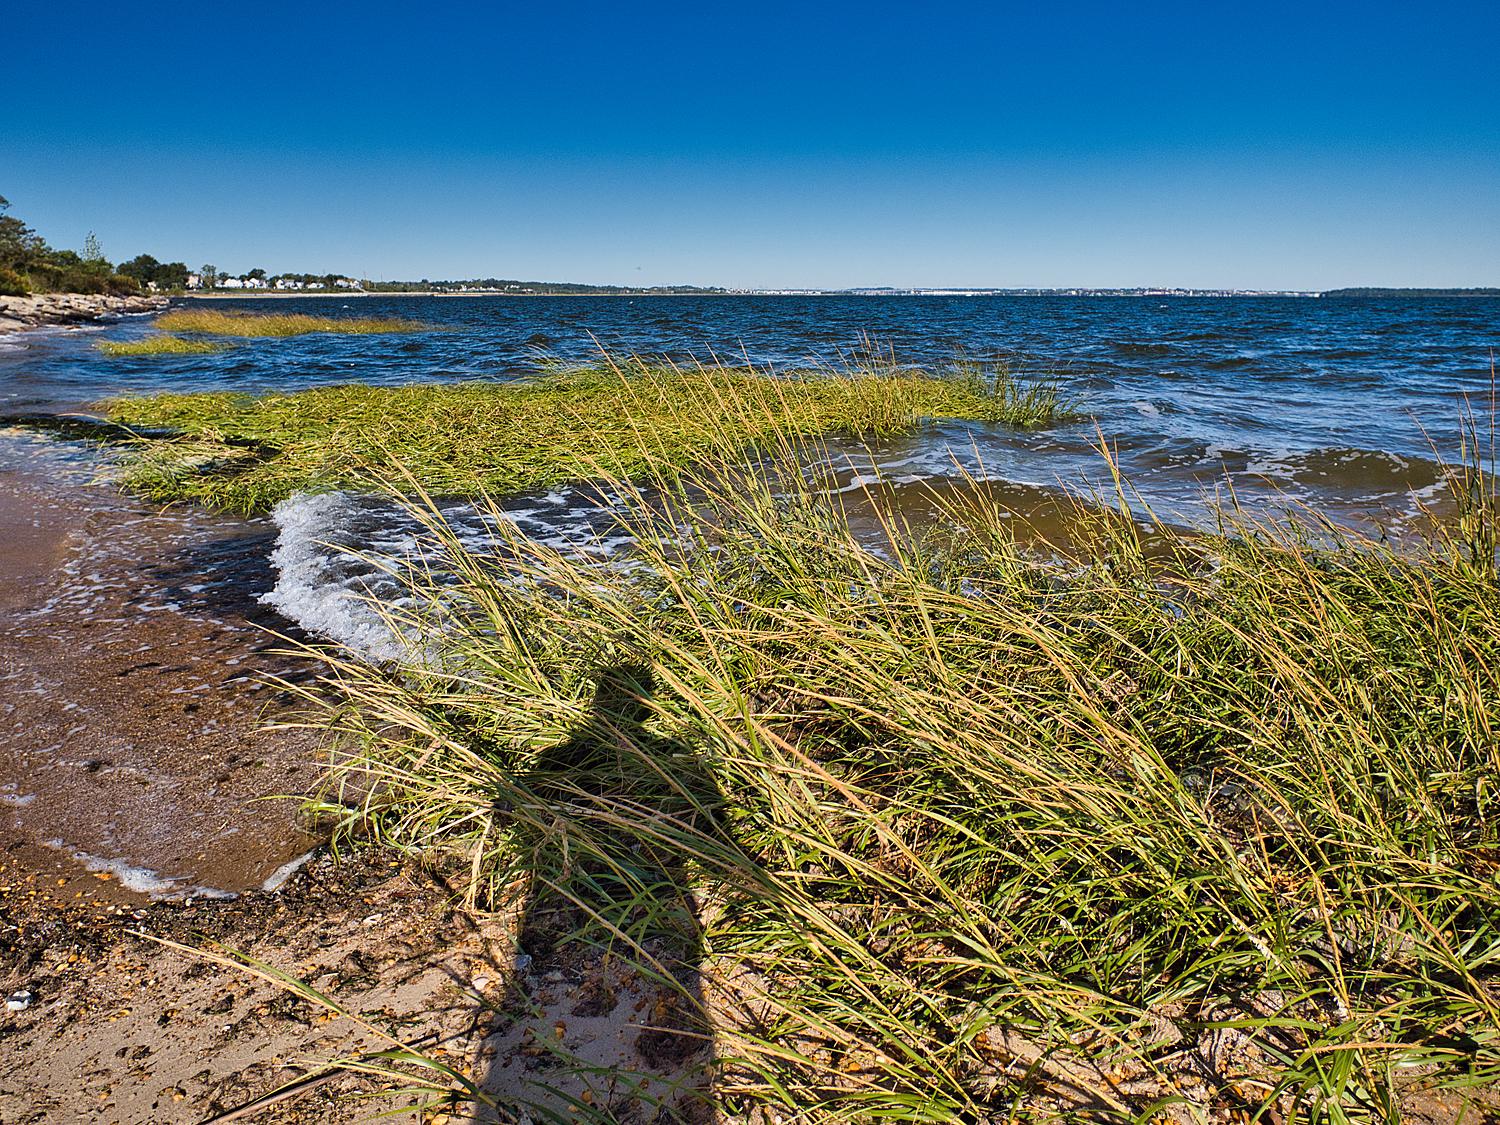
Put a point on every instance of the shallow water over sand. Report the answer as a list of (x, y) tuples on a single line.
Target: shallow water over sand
[(129, 700)]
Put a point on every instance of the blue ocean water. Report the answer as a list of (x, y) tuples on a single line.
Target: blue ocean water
[(1337, 401)]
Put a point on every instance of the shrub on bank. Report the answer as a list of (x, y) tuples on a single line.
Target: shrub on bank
[(47, 277)]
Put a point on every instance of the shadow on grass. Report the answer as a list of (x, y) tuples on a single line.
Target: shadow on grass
[(607, 1012)]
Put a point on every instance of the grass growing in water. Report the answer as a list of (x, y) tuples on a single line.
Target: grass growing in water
[(160, 345), (1169, 830), (245, 454), (212, 322)]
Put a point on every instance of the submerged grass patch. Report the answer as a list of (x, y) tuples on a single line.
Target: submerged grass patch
[(160, 345), (1171, 830), (459, 439), (212, 322)]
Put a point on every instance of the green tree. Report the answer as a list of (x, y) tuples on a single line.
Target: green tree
[(142, 268), (20, 246), (209, 275), (171, 275), (92, 253)]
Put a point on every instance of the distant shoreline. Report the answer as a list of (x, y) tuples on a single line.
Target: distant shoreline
[(282, 294), (279, 294), (1329, 294)]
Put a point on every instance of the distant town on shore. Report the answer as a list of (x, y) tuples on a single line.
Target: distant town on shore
[(259, 281)]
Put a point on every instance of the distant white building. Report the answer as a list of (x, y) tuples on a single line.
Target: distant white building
[(230, 283), (255, 283), (289, 283), (194, 281), (347, 283)]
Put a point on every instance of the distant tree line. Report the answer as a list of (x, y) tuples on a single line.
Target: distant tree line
[(29, 265), (153, 274)]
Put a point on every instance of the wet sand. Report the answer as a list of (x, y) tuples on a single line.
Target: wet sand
[(131, 716), (35, 530), (133, 763)]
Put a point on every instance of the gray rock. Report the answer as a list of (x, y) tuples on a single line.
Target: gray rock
[(18, 314)]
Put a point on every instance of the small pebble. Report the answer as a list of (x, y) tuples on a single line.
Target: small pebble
[(18, 1001), (523, 962)]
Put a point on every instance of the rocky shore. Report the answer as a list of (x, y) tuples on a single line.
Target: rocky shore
[(17, 314)]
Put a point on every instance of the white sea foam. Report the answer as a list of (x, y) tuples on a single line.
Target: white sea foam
[(278, 878), (311, 590), (141, 880), (343, 559)]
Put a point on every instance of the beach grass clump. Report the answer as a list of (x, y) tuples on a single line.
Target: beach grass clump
[(953, 829), (160, 345), (1013, 400), (213, 322), (614, 419)]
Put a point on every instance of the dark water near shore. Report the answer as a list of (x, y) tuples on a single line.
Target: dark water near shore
[(1328, 402)]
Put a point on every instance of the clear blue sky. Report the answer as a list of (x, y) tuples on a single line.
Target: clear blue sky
[(769, 144)]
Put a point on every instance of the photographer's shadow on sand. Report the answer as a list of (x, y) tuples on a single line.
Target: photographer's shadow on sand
[(606, 1019)]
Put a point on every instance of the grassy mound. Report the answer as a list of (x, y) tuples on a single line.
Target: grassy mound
[(244, 454), (955, 832), (211, 322), (160, 345)]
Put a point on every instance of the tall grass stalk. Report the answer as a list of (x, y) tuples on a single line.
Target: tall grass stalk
[(1155, 829)]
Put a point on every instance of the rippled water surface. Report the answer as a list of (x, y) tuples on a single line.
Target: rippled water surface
[(1334, 402), (1326, 397)]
